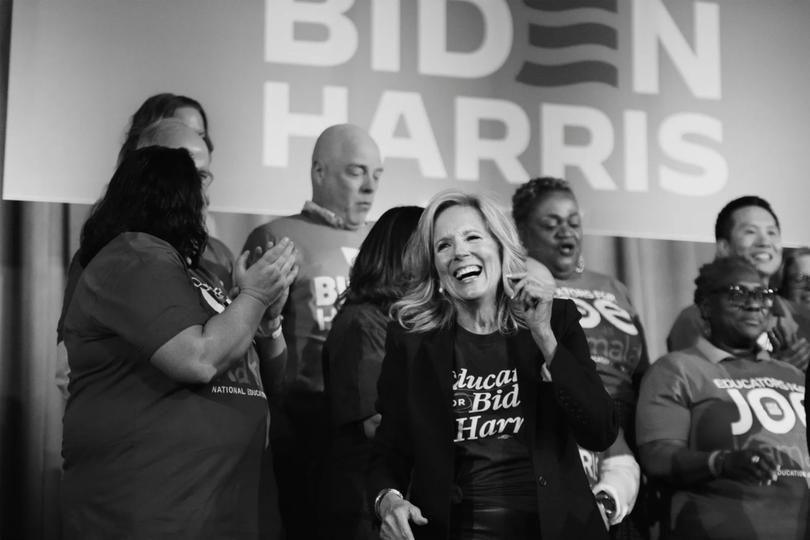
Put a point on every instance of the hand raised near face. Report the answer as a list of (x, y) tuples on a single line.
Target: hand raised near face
[(269, 277), (534, 291)]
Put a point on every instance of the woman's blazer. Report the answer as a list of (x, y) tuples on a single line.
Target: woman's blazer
[(413, 447)]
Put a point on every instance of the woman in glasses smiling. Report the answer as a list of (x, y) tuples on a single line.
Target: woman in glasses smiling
[(722, 424)]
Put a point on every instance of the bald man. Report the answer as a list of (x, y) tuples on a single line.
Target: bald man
[(345, 173)]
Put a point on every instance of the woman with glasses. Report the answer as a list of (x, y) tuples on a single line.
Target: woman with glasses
[(549, 222), (722, 425)]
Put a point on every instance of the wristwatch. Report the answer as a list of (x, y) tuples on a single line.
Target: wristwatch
[(607, 503)]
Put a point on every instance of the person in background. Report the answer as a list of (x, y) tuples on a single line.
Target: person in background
[(345, 174), (352, 358), (549, 222), (796, 277), (167, 417), (217, 259), (722, 423), (166, 105), (748, 227), (487, 388)]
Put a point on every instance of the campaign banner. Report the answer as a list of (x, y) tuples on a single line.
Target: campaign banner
[(657, 111)]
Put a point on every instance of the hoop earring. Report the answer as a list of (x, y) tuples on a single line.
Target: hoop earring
[(580, 267)]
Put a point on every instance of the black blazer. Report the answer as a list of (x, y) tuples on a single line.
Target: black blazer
[(413, 447)]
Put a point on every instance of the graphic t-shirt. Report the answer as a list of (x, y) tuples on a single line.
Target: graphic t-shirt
[(492, 459), (713, 401), (145, 456), (614, 333), (325, 255), (617, 346)]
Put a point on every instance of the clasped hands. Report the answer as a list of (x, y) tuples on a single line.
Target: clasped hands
[(750, 465), (266, 275)]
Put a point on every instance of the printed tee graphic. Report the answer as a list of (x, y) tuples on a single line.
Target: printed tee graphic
[(486, 405)]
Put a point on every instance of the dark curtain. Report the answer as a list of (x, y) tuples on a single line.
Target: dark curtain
[(36, 243)]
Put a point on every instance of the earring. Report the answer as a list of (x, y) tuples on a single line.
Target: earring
[(580, 267), (441, 289)]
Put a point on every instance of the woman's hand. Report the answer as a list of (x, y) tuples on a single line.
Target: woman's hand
[(397, 514), (534, 290), (788, 345), (269, 277), (749, 465)]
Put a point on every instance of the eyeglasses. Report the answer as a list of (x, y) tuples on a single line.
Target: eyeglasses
[(740, 296)]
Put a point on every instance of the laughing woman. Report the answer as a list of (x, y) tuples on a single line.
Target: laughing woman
[(487, 388)]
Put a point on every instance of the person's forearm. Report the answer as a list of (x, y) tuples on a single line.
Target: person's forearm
[(227, 335), (272, 361), (675, 463), (199, 353), (547, 343)]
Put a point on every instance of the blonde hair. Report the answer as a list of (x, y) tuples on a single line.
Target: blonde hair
[(423, 308)]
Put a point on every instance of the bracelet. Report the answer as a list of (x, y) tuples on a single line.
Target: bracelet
[(275, 333), (607, 502), (379, 499), (716, 460)]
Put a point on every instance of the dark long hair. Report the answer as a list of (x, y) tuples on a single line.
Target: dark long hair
[(153, 109), (155, 190), (379, 275)]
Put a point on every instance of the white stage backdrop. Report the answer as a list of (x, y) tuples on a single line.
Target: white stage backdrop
[(658, 111)]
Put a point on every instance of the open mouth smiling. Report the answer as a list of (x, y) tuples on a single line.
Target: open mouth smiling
[(467, 273), (762, 256)]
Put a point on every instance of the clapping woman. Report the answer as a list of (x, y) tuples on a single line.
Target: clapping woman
[(167, 416)]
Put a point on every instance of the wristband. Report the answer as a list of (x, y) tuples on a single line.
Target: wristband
[(379, 499), (275, 333)]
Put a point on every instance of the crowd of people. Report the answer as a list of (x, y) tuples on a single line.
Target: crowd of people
[(449, 372)]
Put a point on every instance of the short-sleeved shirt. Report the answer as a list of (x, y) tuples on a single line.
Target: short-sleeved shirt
[(325, 255), (146, 456), (613, 329), (492, 459), (714, 401)]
